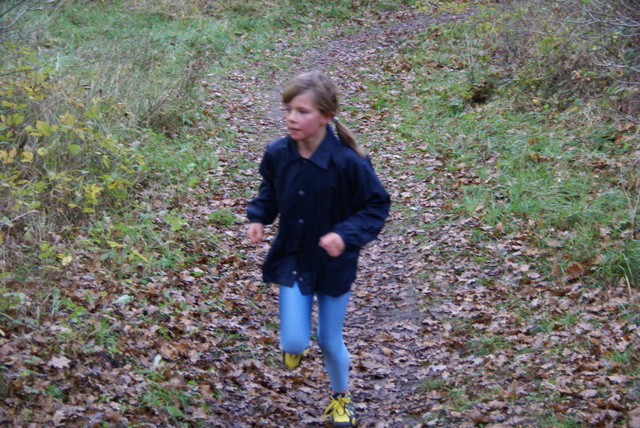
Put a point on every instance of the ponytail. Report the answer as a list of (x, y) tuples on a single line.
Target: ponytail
[(346, 136)]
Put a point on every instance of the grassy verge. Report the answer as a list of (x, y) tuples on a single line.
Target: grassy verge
[(530, 194), (563, 178)]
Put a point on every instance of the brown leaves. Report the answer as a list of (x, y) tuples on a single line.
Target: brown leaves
[(634, 418), (60, 362), (442, 328), (575, 270)]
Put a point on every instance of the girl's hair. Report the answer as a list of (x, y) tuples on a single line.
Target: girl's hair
[(326, 98)]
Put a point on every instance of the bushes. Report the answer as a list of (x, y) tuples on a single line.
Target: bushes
[(579, 62), (566, 52), (59, 165), (68, 150), (566, 161), (561, 52), (14, 13), (103, 101)]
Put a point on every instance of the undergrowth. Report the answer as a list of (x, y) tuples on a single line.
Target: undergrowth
[(557, 161), (106, 102), (106, 141), (110, 135)]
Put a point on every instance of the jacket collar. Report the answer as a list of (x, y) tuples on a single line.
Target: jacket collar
[(322, 155)]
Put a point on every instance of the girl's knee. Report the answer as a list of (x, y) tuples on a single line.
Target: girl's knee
[(293, 344), (331, 347)]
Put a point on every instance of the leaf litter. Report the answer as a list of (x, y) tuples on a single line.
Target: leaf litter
[(431, 334)]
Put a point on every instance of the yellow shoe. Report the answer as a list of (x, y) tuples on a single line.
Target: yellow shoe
[(292, 361), (341, 411)]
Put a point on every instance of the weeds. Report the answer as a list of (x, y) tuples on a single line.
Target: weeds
[(549, 172), (533, 177), (109, 139), (163, 395), (113, 129), (4, 387)]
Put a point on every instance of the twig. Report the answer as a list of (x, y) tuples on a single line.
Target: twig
[(419, 406), (2, 314), (628, 286), (17, 218)]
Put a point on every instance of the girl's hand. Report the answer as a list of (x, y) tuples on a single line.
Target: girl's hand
[(332, 244), (255, 232)]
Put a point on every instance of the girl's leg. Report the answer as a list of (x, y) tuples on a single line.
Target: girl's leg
[(295, 319), (331, 313)]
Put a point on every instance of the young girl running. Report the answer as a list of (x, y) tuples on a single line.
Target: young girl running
[(330, 204)]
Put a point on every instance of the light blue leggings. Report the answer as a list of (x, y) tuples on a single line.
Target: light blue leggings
[(295, 330)]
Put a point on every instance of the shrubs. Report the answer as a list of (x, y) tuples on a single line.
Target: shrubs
[(568, 52), (561, 53), (59, 169), (557, 122), (72, 128)]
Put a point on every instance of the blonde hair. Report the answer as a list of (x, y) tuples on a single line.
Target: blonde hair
[(326, 99)]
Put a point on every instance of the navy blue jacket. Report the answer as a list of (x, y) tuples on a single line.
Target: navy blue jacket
[(333, 191)]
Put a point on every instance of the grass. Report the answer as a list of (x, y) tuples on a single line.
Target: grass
[(149, 137), (534, 176), (542, 176), (110, 200)]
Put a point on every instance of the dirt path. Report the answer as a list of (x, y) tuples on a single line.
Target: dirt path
[(385, 327)]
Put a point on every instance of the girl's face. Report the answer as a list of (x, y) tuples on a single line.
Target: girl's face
[(305, 122)]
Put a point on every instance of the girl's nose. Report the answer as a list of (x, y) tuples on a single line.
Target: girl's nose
[(290, 117)]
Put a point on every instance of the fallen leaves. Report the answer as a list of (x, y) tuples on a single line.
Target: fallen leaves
[(442, 330), (60, 362), (575, 270), (635, 418)]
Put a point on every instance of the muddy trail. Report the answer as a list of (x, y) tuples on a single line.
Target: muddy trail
[(391, 336)]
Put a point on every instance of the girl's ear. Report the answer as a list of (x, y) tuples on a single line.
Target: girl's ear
[(326, 118)]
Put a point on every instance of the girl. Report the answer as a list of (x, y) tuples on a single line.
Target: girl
[(330, 204)]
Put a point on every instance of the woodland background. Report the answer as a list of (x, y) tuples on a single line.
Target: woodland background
[(503, 291)]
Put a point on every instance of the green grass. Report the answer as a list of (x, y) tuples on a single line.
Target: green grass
[(162, 395), (541, 171), (534, 163), (556, 180)]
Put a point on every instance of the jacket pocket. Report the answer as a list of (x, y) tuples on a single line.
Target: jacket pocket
[(341, 269)]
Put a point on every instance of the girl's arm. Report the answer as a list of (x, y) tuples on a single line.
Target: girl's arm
[(371, 204), (264, 208)]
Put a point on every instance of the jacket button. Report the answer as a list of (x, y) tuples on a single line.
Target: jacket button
[(301, 192)]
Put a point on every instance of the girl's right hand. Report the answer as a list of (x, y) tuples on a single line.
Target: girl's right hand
[(255, 232)]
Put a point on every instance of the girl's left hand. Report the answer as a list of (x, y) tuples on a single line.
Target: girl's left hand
[(332, 244)]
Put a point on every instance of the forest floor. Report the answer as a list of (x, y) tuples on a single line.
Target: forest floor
[(422, 290), (393, 337), (442, 330)]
